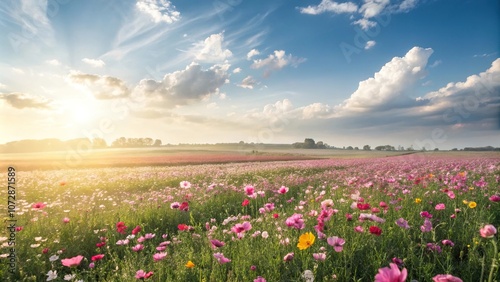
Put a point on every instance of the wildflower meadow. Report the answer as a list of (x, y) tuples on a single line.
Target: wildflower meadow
[(405, 218)]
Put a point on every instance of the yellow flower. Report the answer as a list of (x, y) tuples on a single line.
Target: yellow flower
[(472, 205), (465, 202), (431, 175), (190, 264), (305, 241), (471, 188), (418, 200)]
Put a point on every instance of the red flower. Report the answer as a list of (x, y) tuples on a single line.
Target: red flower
[(245, 202), (363, 207), (184, 206), (100, 244), (375, 230), (97, 257), (183, 227), (120, 227), (19, 228), (136, 230), (46, 250), (275, 215)]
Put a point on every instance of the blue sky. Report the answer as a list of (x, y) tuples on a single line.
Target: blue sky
[(401, 72)]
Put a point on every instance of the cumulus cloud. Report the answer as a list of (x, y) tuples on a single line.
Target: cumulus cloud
[(330, 6), (211, 49), (388, 86), (276, 61), (372, 8), (317, 110), (159, 10), (93, 62), (248, 82), (369, 44), (23, 100), (185, 86), (252, 53), (237, 70), (102, 87)]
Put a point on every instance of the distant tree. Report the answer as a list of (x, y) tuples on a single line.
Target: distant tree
[(436, 149), (366, 147), (309, 143), (320, 145), (356, 148), (454, 149), (99, 143), (410, 148), (380, 148), (350, 148), (157, 143)]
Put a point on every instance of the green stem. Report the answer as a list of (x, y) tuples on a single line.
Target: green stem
[(494, 264)]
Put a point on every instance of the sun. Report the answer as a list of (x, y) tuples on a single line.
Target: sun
[(81, 115)]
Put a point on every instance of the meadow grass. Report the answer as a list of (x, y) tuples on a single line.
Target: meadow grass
[(95, 200)]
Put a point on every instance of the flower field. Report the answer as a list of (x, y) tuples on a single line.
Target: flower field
[(380, 219)]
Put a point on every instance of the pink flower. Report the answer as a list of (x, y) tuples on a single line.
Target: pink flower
[(138, 247), (66, 220), (402, 223), (451, 194), (392, 274), (38, 205), (141, 274), (488, 231), (175, 205), (184, 206), (241, 227), (245, 202), (72, 262), (159, 256), (283, 190), (440, 207), (250, 191), (319, 256), (427, 227), (289, 257), (336, 242), (295, 221), (446, 278), (216, 243), (495, 198), (149, 236), (259, 279), (221, 258), (185, 184), (359, 229), (447, 242)]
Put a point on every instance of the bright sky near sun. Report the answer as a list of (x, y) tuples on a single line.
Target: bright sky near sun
[(398, 72)]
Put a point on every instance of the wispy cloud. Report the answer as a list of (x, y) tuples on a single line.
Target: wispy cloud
[(159, 10), (94, 62), (276, 61), (23, 100)]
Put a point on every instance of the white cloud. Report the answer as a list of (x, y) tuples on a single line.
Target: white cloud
[(330, 6), (252, 53), (365, 24), (102, 87), (276, 61), (370, 44), (407, 5), (159, 10), (53, 62), (372, 8), (212, 105), (278, 108), (93, 62), (248, 82), (317, 110), (22, 100), (211, 49), (435, 64), (387, 87), (237, 70), (190, 85)]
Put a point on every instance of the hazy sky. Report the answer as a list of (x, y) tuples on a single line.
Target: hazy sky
[(412, 72)]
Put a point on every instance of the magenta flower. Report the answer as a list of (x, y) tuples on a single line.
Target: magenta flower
[(250, 191), (319, 256), (283, 190), (175, 205), (289, 257), (425, 214), (495, 198), (440, 207), (241, 227), (434, 247), (137, 248), (221, 258), (295, 221), (391, 274), (488, 231), (427, 227), (451, 194), (446, 278), (402, 223), (259, 279), (216, 243), (72, 262), (159, 256), (336, 242), (447, 242), (359, 229)]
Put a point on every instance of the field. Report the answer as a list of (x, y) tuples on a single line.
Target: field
[(247, 215)]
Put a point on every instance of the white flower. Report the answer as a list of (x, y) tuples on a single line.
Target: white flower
[(185, 184), (308, 276), (38, 239), (265, 235), (53, 258), (35, 245), (52, 274), (69, 277)]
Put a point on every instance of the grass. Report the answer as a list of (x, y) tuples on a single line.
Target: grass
[(94, 200)]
